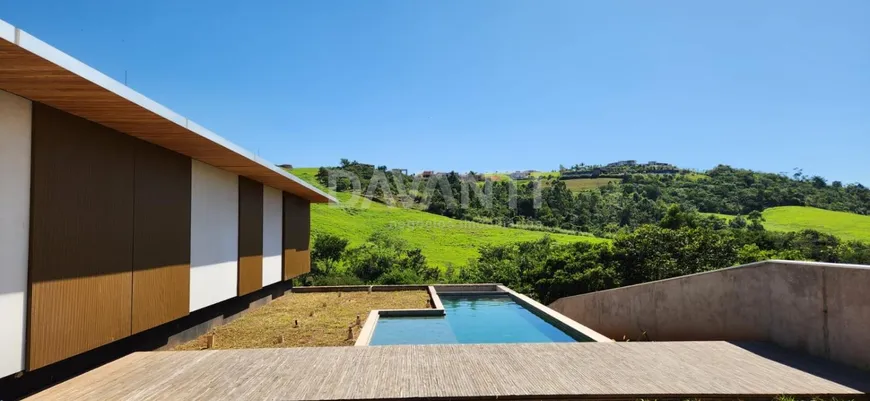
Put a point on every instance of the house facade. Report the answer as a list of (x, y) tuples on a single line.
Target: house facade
[(118, 215)]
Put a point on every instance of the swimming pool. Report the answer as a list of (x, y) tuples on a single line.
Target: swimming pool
[(471, 320)]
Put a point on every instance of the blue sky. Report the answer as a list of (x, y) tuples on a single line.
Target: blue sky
[(495, 85)]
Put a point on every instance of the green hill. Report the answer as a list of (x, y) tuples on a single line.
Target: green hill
[(847, 226), (443, 240)]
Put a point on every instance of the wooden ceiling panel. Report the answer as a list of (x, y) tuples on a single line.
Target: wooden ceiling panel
[(34, 70)]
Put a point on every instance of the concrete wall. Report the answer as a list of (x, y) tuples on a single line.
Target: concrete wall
[(272, 231), (819, 308), (15, 143), (214, 242)]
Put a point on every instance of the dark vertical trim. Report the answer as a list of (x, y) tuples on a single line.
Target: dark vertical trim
[(297, 233), (161, 253), (250, 236), (81, 236)]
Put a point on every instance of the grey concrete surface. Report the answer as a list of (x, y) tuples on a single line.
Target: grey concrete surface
[(819, 308)]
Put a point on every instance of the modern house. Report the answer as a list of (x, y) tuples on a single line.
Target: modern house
[(122, 222), (118, 215)]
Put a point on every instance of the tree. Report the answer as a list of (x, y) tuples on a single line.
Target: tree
[(676, 217), (737, 223), (755, 221), (654, 253), (328, 247)]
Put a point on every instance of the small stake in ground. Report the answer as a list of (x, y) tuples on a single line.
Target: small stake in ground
[(209, 341), (350, 332), (357, 320), (281, 339), (295, 324)]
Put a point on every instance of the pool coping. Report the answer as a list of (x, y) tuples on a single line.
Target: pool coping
[(557, 319), (368, 329)]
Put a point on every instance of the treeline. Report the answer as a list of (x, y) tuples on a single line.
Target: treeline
[(644, 199), (349, 171), (683, 243), (612, 209), (736, 191), (619, 169)]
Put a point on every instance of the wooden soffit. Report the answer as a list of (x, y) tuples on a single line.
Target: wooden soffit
[(37, 71)]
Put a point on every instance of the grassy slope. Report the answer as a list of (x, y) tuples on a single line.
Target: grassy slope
[(847, 226), (442, 239), (727, 217), (584, 184)]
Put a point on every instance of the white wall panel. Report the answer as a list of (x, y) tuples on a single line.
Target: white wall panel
[(15, 128), (272, 223), (214, 242)]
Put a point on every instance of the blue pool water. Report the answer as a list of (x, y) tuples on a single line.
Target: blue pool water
[(470, 320)]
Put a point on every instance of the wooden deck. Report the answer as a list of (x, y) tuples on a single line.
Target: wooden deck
[(516, 371)]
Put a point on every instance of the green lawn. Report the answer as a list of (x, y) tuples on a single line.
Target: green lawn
[(546, 174), (726, 217), (847, 226), (585, 184), (442, 239)]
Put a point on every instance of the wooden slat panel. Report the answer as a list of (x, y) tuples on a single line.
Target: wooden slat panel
[(250, 236), (161, 250), (82, 236), (297, 232)]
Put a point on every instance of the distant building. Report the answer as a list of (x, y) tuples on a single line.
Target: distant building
[(471, 176), (623, 163), (521, 175), (427, 173)]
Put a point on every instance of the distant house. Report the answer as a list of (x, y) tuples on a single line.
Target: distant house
[(623, 163), (521, 175), (427, 173), (286, 166), (471, 176)]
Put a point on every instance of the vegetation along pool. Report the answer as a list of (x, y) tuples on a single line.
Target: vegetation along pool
[(471, 320)]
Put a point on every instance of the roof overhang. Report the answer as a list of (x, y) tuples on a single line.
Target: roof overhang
[(37, 71)]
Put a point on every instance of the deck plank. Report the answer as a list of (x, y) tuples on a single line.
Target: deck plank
[(595, 370)]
